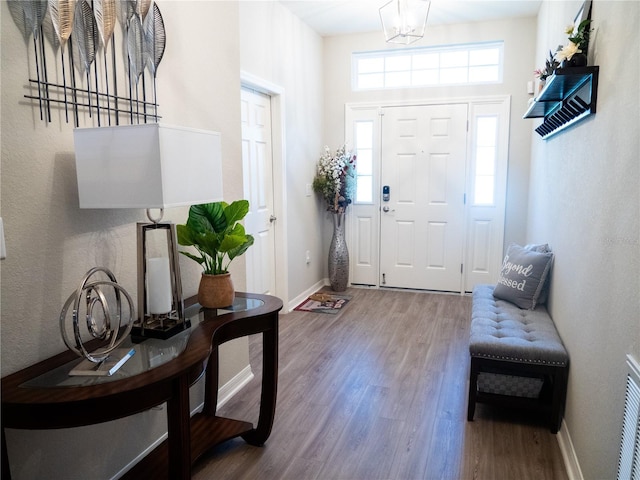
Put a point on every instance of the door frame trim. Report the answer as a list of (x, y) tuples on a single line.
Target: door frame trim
[(278, 146)]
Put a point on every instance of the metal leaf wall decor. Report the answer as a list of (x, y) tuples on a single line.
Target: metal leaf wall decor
[(16, 9), (105, 11), (142, 8), (50, 32), (85, 35), (125, 9), (35, 11), (135, 48), (155, 39), (28, 15), (61, 12), (84, 26)]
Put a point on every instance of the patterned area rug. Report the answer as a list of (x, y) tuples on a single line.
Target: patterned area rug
[(324, 302)]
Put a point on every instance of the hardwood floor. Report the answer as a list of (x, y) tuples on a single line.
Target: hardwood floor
[(379, 391)]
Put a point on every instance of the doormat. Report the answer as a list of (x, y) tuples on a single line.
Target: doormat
[(324, 302)]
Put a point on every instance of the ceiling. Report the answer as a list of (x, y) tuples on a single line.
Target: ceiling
[(339, 17)]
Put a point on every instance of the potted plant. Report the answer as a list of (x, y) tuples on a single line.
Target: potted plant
[(218, 237), (550, 67)]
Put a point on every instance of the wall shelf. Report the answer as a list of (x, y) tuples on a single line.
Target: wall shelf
[(569, 96)]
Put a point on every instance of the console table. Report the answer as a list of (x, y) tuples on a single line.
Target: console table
[(44, 396)]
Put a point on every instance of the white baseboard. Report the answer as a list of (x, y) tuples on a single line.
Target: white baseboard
[(225, 393), (569, 454), (304, 295), (233, 386)]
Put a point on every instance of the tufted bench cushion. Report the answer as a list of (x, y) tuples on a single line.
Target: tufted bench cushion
[(517, 357), (502, 331)]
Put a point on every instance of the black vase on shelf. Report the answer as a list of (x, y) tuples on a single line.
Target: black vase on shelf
[(576, 60)]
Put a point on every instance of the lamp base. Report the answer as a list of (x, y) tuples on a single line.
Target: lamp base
[(160, 330), (165, 325)]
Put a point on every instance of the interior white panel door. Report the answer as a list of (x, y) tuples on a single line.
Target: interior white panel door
[(423, 223), (257, 160)]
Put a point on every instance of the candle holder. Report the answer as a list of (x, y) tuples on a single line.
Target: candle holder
[(160, 303)]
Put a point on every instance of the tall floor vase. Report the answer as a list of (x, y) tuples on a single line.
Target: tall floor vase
[(338, 256)]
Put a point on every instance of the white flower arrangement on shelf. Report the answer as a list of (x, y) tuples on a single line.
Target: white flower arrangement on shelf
[(335, 178), (578, 41)]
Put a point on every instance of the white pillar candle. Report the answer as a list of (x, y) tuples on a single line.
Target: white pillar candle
[(158, 286)]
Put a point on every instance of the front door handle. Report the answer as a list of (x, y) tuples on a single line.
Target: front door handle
[(272, 218)]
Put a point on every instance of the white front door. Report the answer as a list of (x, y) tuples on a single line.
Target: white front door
[(257, 162), (422, 225), (420, 153)]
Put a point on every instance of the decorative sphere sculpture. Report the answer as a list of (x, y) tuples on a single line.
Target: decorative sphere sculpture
[(100, 302)]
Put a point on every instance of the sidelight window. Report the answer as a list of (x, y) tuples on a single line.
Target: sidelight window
[(364, 161), (485, 146)]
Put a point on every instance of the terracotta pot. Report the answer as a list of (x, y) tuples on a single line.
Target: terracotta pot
[(216, 291)]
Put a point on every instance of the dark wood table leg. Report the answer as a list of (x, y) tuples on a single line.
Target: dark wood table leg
[(179, 430), (262, 431), (211, 383), (6, 471)]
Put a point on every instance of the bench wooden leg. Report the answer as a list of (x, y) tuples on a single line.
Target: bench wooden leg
[(473, 389), (560, 379)]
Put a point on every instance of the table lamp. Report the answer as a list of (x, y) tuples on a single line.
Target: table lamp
[(150, 166)]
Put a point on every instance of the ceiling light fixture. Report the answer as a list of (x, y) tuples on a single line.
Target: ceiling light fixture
[(404, 21)]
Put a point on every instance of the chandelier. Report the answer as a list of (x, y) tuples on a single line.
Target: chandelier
[(404, 21)]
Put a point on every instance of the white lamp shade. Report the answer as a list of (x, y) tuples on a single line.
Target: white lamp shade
[(404, 21), (147, 166)]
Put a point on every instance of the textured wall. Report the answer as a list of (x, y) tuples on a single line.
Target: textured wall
[(585, 202), (51, 243)]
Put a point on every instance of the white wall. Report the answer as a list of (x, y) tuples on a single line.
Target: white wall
[(517, 72), (277, 47), (585, 202), (51, 243)]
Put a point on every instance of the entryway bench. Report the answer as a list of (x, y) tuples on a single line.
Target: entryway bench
[(517, 358)]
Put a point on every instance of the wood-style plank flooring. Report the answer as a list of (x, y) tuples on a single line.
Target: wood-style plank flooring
[(379, 391)]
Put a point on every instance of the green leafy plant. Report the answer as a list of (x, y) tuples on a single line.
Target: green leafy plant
[(215, 232), (550, 66)]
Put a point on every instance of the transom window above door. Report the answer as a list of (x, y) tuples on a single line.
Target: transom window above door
[(428, 66)]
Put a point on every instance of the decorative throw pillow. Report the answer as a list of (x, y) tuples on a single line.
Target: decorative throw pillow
[(542, 248), (522, 276)]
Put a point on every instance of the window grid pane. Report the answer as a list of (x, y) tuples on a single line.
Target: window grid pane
[(397, 79), (486, 128), (370, 65), (374, 80), (454, 75), (429, 66), (364, 161)]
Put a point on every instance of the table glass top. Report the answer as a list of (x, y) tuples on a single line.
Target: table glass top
[(149, 354)]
